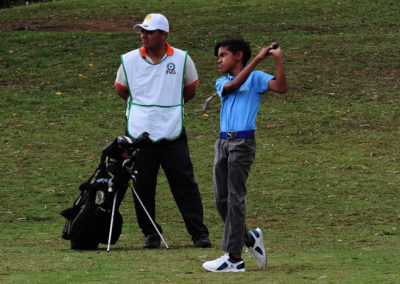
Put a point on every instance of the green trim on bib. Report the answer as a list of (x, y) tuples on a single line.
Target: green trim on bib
[(151, 63), (126, 77), (129, 100), (179, 105), (182, 93)]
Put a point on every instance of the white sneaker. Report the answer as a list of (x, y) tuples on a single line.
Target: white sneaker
[(257, 250), (224, 264)]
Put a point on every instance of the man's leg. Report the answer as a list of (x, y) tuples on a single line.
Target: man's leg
[(147, 166), (179, 171)]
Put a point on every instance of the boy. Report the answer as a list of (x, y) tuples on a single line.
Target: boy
[(240, 94)]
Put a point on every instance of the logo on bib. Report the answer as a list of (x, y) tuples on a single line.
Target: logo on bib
[(170, 68)]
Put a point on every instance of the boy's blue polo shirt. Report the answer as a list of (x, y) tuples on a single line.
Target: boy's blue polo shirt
[(239, 108)]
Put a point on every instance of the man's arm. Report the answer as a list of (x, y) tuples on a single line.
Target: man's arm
[(189, 93), (120, 84), (123, 93), (190, 81)]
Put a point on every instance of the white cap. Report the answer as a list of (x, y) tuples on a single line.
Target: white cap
[(154, 22)]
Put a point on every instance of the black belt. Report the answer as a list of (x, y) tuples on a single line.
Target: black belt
[(237, 134)]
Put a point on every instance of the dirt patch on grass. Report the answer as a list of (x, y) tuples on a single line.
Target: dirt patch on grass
[(54, 25)]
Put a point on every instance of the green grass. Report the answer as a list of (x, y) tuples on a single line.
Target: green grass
[(325, 184)]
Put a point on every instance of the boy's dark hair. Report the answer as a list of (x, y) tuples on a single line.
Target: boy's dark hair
[(235, 45)]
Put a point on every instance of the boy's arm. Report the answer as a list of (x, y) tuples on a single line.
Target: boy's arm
[(246, 71), (279, 84)]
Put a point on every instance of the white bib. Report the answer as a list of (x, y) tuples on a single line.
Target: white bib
[(155, 103)]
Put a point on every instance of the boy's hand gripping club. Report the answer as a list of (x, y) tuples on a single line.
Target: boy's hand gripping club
[(274, 46)]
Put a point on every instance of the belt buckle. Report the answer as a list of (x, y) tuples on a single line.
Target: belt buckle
[(231, 134)]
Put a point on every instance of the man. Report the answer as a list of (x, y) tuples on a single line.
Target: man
[(156, 80)]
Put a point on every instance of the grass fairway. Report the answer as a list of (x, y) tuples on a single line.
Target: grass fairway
[(325, 185)]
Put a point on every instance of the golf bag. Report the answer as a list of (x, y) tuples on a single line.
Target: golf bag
[(91, 218)]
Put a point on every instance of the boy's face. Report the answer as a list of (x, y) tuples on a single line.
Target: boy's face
[(227, 61)]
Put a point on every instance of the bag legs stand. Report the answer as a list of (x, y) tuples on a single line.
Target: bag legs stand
[(112, 221), (148, 215)]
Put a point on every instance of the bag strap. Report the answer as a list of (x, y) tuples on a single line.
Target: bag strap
[(83, 186)]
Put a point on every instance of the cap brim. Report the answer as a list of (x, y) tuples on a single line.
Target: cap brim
[(141, 26)]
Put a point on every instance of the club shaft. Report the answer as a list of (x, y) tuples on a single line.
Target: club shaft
[(207, 101), (112, 222), (148, 215)]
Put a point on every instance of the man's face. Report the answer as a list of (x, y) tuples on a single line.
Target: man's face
[(152, 39)]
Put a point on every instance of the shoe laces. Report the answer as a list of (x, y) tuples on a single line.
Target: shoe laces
[(226, 255)]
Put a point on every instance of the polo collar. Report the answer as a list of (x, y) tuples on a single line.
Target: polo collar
[(170, 50)]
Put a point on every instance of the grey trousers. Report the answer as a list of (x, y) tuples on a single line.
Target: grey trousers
[(232, 162)]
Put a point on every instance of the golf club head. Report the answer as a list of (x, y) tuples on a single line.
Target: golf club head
[(142, 140), (207, 101), (124, 141)]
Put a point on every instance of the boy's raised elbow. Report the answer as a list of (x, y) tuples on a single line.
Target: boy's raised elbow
[(278, 86), (282, 90), (279, 89)]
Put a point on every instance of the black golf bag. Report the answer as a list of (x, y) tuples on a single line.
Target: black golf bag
[(89, 219)]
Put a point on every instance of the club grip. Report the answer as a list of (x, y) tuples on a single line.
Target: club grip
[(274, 46)]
